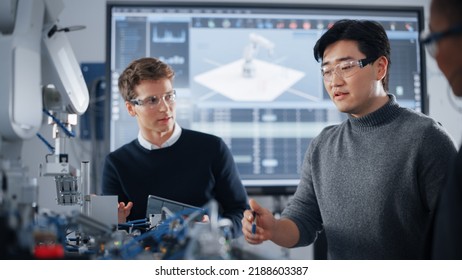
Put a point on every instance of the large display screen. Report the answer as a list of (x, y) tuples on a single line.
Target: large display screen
[(246, 73)]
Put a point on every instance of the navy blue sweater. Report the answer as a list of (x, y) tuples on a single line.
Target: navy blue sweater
[(197, 168)]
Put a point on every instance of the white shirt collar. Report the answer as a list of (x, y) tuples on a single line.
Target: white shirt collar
[(170, 141)]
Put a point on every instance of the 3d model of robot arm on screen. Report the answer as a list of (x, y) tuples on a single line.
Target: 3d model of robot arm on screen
[(39, 75), (251, 50)]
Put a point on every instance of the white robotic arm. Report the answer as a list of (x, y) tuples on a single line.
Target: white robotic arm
[(20, 79), (251, 50), (33, 55), (38, 74), (38, 71), (61, 69)]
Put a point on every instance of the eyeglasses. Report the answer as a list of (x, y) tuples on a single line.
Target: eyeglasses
[(153, 101), (430, 39), (344, 69)]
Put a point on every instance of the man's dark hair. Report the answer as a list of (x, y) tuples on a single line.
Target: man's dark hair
[(451, 9), (370, 35)]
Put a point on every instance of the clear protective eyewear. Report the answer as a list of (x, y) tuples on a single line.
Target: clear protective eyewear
[(344, 69), (153, 101), (430, 39)]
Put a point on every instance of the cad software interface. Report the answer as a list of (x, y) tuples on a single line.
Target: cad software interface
[(249, 76)]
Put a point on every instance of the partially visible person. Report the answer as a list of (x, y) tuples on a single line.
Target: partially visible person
[(371, 182), (444, 43), (166, 160)]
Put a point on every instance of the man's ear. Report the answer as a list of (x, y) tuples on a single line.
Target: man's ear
[(382, 66), (130, 108)]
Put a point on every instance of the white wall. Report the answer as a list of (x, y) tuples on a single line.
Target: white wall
[(89, 46)]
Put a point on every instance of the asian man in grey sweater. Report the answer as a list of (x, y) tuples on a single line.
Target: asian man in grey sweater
[(371, 182)]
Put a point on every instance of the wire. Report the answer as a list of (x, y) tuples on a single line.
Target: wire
[(131, 249), (49, 146), (60, 124)]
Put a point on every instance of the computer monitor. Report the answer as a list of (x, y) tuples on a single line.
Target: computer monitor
[(247, 73)]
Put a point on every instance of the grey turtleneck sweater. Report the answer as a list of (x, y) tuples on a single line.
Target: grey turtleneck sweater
[(371, 183)]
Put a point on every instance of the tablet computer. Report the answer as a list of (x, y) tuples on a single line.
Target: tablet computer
[(159, 208)]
